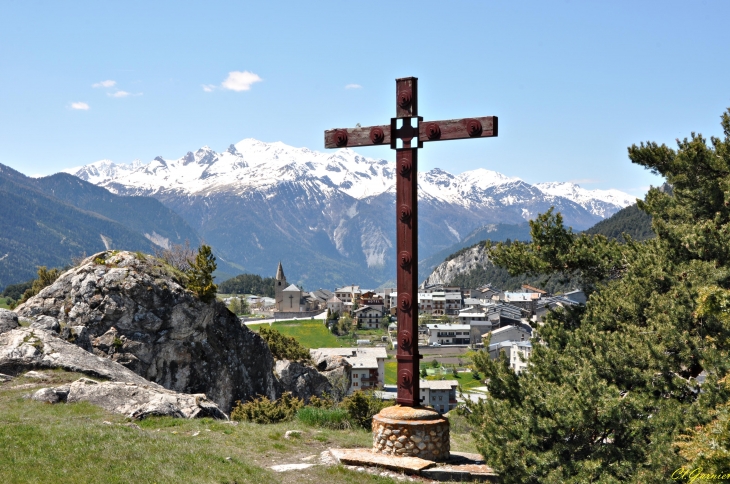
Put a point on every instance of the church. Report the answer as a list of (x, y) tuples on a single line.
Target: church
[(288, 297), (291, 299)]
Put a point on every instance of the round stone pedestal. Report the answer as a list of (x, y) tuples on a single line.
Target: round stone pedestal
[(414, 432)]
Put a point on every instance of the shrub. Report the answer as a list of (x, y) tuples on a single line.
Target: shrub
[(324, 402), (362, 405), (45, 278), (264, 411), (200, 274), (284, 347), (330, 418)]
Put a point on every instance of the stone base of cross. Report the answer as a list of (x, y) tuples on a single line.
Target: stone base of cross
[(406, 133)]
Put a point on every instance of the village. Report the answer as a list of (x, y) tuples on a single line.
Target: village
[(454, 322)]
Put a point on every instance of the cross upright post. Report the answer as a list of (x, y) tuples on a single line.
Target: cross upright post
[(406, 133)]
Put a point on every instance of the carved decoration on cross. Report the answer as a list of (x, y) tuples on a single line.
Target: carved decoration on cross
[(412, 128)]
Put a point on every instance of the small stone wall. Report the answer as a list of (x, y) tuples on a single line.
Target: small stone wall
[(413, 432)]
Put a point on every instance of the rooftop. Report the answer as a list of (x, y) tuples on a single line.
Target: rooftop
[(438, 384)]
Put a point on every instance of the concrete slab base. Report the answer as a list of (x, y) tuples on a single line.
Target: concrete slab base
[(460, 466)]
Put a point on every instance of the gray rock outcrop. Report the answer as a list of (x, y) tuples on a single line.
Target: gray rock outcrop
[(470, 259), (25, 349), (301, 379), (133, 309), (132, 400), (8, 320)]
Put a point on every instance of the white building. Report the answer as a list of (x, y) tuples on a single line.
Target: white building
[(334, 304), (448, 334), (518, 353), (348, 294), (368, 317), (439, 394), (368, 365)]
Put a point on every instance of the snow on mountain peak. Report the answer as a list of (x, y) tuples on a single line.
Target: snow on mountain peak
[(253, 165), (595, 201)]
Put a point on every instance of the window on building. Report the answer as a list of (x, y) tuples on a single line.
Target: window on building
[(354, 384)]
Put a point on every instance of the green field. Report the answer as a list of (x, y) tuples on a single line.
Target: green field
[(310, 333), (4, 303)]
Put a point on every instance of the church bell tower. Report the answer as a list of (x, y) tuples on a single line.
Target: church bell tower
[(279, 286)]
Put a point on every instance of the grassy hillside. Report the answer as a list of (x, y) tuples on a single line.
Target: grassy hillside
[(80, 443)]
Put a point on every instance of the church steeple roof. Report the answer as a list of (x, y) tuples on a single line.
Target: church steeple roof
[(280, 273)]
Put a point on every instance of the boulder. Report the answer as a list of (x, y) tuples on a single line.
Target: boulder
[(132, 400), (301, 379), (26, 349), (140, 401), (134, 310), (8, 320), (46, 322)]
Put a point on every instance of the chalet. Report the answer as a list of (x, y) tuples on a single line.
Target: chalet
[(368, 317)]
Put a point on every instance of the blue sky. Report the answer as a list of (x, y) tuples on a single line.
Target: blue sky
[(573, 83)]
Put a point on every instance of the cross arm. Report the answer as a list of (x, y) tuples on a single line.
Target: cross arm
[(484, 127), (367, 136)]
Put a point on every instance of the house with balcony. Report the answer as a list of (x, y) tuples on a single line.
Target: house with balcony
[(368, 317)]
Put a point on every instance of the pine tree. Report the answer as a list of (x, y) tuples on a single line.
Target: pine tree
[(200, 274), (611, 389)]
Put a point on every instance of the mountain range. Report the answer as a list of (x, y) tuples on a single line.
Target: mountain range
[(329, 217), (48, 221)]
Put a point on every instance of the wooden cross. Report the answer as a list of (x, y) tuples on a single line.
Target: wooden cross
[(412, 127)]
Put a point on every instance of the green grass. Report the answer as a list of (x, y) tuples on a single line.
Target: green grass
[(4, 303), (310, 333), (391, 372), (71, 443), (80, 443), (331, 418)]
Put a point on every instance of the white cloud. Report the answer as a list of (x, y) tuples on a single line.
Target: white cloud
[(240, 81), (119, 94), (208, 87), (80, 105), (107, 83), (353, 86)]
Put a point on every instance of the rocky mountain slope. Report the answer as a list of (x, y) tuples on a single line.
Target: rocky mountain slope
[(132, 310), (470, 266), (329, 215)]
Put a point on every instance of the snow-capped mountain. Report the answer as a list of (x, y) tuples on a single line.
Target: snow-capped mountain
[(330, 216), (598, 202)]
